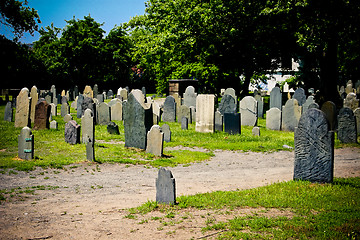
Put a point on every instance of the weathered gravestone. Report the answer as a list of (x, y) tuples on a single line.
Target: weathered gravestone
[(165, 187), (248, 110), (88, 92), (143, 90), (113, 128), (156, 112), (232, 123), (309, 102), (139, 96), (167, 133), (76, 91), (110, 94), (190, 97), (155, 141), (103, 114), (193, 114), (349, 87), (68, 118), (34, 100), (256, 131), (137, 122), (329, 108), (184, 123), (49, 98), (275, 98), (65, 109), (42, 115), (231, 91), (22, 113), (79, 103), (219, 121), (347, 126), (100, 97), (300, 96), (96, 90), (260, 106), (290, 115), (273, 119), (88, 103), (227, 104), (184, 111), (26, 144), (72, 132), (314, 148), (116, 111), (53, 91), (123, 94), (177, 104), (8, 116), (357, 116), (64, 99), (53, 124), (205, 104), (88, 128), (90, 150), (169, 113), (314, 105), (351, 101)]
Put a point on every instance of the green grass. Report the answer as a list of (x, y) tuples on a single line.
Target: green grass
[(319, 211)]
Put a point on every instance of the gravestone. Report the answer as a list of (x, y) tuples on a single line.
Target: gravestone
[(26, 144), (165, 187), (248, 110), (184, 111), (65, 109), (329, 108), (156, 112), (256, 131), (357, 117), (88, 103), (300, 96), (231, 91), (42, 115), (232, 123), (167, 133), (90, 150), (118, 93), (139, 96), (53, 124), (205, 104), (184, 123), (88, 128), (177, 104), (88, 92), (8, 115), (169, 113), (124, 94), (100, 98), (290, 115), (48, 98), (310, 100), (63, 93), (273, 119), (349, 87), (22, 113), (76, 91), (34, 100), (276, 98), (313, 105), (64, 99), (260, 106), (72, 132), (68, 118), (137, 122), (113, 101), (96, 90), (219, 121), (351, 101), (103, 114), (227, 104), (116, 111), (143, 90), (53, 91), (113, 128), (110, 94), (193, 114), (190, 97), (347, 132), (155, 141), (79, 103), (314, 148)]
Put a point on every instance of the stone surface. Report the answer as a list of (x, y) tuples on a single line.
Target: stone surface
[(110, 94), (90, 151), (116, 111), (124, 94), (232, 123), (329, 108), (103, 114), (65, 109), (273, 119), (357, 117), (34, 100), (42, 115), (190, 97), (53, 91), (256, 131), (351, 101), (156, 112), (165, 187), (88, 92), (53, 124), (219, 121), (72, 132), (87, 126), (309, 101), (88, 103), (184, 123), (8, 114), (248, 110), (22, 113), (275, 98), (68, 118), (313, 105), (314, 148), (193, 114), (227, 104), (184, 111), (260, 106), (178, 104), (26, 144), (64, 99), (79, 103), (100, 97), (232, 92), (205, 104), (347, 126), (95, 90), (290, 115), (167, 133), (169, 114), (155, 141), (113, 128), (300, 96)]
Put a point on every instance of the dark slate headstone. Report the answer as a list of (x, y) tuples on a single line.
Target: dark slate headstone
[(347, 126), (300, 96), (26, 144), (219, 121), (184, 123), (227, 104), (88, 103), (169, 113), (167, 133), (232, 123), (275, 98), (329, 108), (155, 141), (103, 114), (314, 148), (113, 128), (72, 132), (58, 99), (42, 115), (165, 187), (79, 103), (8, 116), (260, 106)]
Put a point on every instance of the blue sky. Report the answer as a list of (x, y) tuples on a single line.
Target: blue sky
[(109, 12)]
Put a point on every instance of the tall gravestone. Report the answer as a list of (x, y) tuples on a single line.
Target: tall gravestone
[(155, 141), (34, 99), (219, 121), (260, 106), (248, 110), (357, 117), (205, 104), (290, 115), (232, 123), (347, 126), (329, 108), (116, 111), (8, 115), (65, 109), (190, 97), (88, 127), (165, 187), (22, 113), (273, 119), (227, 104), (276, 98), (300, 96), (79, 103), (72, 132), (167, 133), (42, 115), (103, 114), (169, 114), (26, 144), (184, 111), (53, 91)]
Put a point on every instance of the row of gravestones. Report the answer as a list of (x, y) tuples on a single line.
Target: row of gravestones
[(349, 88)]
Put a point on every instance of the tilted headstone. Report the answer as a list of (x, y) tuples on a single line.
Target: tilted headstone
[(88, 92), (205, 106), (113, 128), (165, 187), (87, 126), (79, 103), (96, 90), (34, 100), (8, 115), (22, 113), (53, 124), (103, 114), (276, 98), (155, 141), (42, 115), (347, 132), (167, 133), (260, 106), (116, 111), (227, 104), (68, 118), (219, 121), (300, 96), (273, 119), (232, 123), (184, 123), (357, 117), (314, 148), (310, 100), (351, 101), (184, 111), (169, 114), (248, 110), (329, 108), (290, 115), (72, 132), (190, 97), (256, 131), (65, 109), (26, 144)]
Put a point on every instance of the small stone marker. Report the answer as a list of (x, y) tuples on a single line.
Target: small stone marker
[(232, 123), (42, 115), (290, 115), (256, 131), (300, 96), (167, 133), (169, 114), (184, 123), (314, 148), (8, 116), (22, 113), (190, 97), (273, 119), (53, 124), (72, 132), (165, 187), (329, 108), (155, 141), (205, 104), (219, 121), (275, 98), (68, 118), (347, 126), (26, 144), (113, 128)]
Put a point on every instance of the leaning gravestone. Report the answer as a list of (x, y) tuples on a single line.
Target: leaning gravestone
[(113, 128), (169, 113), (155, 141), (357, 116), (72, 132), (227, 104), (167, 133), (260, 106), (65, 109), (347, 126), (314, 148), (273, 119), (165, 187), (26, 144), (219, 121), (275, 98), (351, 101), (190, 97), (79, 103), (8, 116), (42, 115), (310, 100), (205, 104), (300, 96), (88, 128), (184, 111), (116, 111), (22, 113), (103, 114), (329, 108), (248, 110), (34, 100), (232, 123), (290, 115)]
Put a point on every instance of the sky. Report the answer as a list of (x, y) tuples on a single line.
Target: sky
[(109, 12)]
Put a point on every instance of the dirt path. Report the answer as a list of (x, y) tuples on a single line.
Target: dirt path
[(88, 200)]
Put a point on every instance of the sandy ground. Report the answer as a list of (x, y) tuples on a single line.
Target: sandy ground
[(89, 201)]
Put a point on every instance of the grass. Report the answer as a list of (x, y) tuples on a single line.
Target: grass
[(319, 211)]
